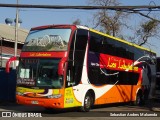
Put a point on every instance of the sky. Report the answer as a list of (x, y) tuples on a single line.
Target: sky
[(37, 17)]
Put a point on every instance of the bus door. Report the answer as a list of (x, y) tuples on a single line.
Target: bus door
[(75, 65)]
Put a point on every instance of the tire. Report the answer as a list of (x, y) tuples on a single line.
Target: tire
[(139, 99), (88, 102)]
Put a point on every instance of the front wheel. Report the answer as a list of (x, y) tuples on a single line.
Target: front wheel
[(88, 102)]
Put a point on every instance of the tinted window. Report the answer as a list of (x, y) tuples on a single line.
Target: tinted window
[(106, 45), (76, 57), (95, 42), (158, 64), (39, 73)]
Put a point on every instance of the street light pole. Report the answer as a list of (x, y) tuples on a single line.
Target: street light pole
[(16, 33)]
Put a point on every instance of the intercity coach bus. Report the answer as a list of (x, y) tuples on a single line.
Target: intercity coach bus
[(64, 66), (157, 89)]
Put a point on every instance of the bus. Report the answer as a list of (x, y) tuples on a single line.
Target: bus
[(158, 78), (158, 72), (64, 66)]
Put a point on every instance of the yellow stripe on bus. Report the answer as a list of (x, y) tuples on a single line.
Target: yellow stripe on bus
[(23, 90)]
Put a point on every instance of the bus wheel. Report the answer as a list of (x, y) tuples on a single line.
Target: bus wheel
[(139, 99), (88, 102)]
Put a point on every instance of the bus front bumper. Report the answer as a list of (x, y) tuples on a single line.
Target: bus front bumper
[(44, 102)]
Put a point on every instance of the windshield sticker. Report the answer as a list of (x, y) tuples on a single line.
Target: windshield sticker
[(24, 73), (29, 82)]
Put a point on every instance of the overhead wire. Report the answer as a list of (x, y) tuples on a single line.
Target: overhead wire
[(82, 7)]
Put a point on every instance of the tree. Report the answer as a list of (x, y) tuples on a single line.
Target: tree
[(109, 21), (113, 22), (146, 31), (77, 22)]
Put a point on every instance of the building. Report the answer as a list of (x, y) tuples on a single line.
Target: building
[(7, 41)]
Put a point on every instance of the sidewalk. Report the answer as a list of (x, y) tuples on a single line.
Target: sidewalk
[(155, 104)]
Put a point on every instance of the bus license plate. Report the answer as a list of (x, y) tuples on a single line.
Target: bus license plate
[(34, 102)]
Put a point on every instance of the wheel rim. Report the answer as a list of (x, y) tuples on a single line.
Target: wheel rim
[(138, 100), (87, 102)]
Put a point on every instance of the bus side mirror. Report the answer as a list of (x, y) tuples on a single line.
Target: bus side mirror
[(61, 66), (9, 63)]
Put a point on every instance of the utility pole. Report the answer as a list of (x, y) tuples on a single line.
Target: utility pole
[(16, 33), (1, 52)]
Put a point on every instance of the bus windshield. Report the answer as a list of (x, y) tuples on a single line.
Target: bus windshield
[(39, 73), (52, 39)]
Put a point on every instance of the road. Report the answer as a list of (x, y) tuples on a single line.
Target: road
[(121, 111)]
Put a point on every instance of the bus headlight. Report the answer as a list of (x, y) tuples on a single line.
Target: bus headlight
[(19, 93), (55, 96)]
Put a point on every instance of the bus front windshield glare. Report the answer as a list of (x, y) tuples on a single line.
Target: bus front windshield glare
[(47, 40), (39, 73)]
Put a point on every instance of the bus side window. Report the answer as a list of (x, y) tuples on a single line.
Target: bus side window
[(95, 42)]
